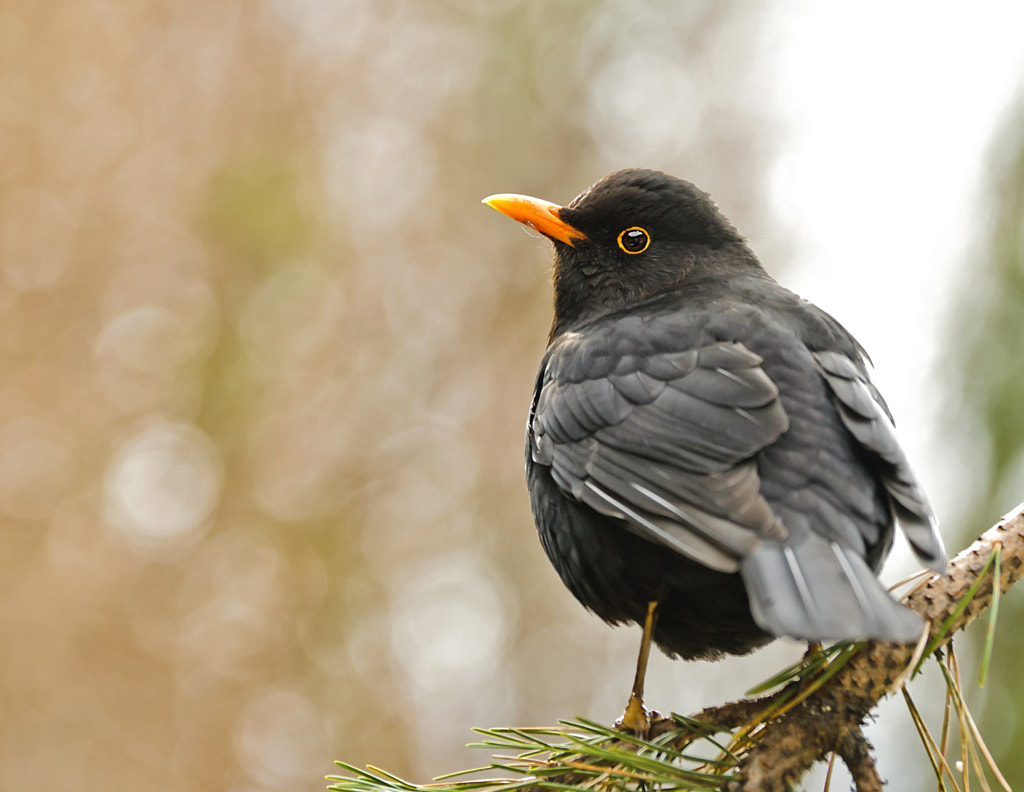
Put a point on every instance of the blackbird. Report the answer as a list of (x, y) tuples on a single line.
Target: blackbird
[(705, 453)]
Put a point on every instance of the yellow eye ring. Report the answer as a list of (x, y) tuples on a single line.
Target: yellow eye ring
[(634, 240)]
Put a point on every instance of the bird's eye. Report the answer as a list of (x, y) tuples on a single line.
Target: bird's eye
[(634, 240)]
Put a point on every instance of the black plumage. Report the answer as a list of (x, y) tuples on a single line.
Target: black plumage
[(702, 438)]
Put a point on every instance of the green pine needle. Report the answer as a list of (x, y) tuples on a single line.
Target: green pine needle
[(993, 614), (585, 756), (807, 665), (576, 754)]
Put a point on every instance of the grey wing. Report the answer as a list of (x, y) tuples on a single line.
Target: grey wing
[(865, 415), (663, 441)]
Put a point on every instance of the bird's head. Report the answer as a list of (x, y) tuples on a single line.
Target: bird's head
[(632, 235)]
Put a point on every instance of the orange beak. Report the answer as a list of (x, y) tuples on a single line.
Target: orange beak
[(540, 215)]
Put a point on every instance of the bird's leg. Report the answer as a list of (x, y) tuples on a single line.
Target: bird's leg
[(636, 718)]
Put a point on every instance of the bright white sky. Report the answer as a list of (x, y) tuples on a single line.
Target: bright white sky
[(892, 108)]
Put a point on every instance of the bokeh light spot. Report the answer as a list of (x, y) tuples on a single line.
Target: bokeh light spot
[(449, 624), (36, 468), (291, 315), (281, 734), (643, 102), (162, 486)]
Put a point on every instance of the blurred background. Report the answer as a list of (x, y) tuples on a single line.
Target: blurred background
[(265, 360)]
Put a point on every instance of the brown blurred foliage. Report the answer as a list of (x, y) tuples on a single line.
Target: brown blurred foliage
[(266, 361)]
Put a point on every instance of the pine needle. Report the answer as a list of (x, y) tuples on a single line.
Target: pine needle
[(993, 614), (972, 733), (585, 755), (808, 664), (828, 774), (938, 761), (966, 754)]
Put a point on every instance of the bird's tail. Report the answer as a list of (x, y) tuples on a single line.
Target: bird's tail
[(816, 590)]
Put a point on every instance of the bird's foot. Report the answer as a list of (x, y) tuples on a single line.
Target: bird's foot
[(636, 718)]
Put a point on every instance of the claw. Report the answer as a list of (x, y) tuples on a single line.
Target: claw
[(636, 718)]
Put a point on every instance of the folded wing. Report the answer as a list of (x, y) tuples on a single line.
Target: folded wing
[(665, 442)]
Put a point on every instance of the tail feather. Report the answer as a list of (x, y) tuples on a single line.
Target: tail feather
[(818, 591)]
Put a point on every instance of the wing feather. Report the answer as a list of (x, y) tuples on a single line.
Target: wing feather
[(664, 443), (868, 420)]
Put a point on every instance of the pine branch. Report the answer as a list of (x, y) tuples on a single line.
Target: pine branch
[(828, 721), (767, 743)]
